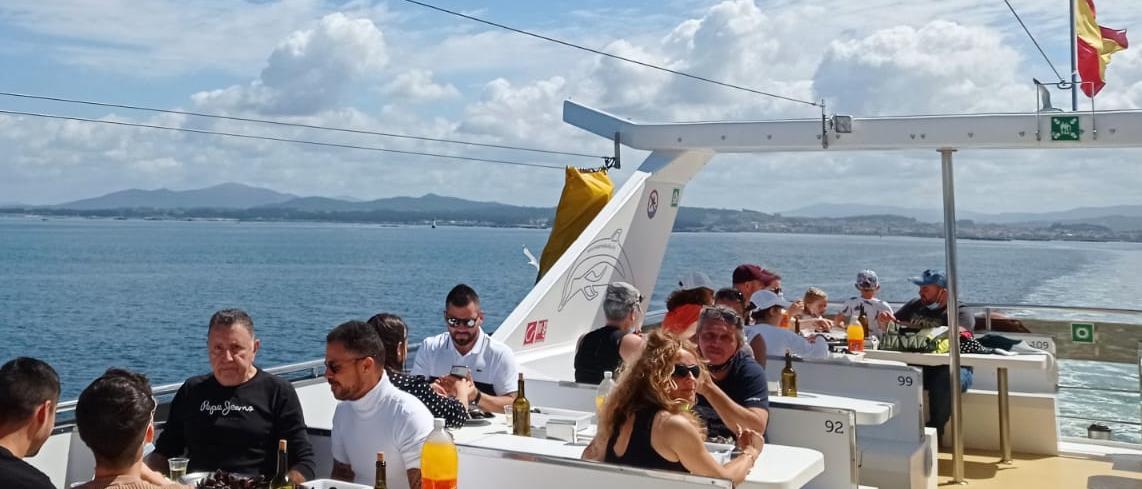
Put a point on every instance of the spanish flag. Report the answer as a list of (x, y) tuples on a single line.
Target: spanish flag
[(1095, 44)]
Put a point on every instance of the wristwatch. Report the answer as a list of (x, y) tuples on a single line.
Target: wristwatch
[(476, 401)]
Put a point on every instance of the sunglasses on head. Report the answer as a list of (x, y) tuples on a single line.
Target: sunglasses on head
[(684, 370), (721, 314), (462, 322)]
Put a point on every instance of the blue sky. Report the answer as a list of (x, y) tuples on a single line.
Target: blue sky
[(397, 67)]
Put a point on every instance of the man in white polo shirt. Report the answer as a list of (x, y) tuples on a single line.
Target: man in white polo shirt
[(373, 415), (465, 353)]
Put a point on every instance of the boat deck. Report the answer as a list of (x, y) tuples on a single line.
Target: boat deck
[(982, 470)]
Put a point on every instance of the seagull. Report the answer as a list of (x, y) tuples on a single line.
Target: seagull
[(530, 258)]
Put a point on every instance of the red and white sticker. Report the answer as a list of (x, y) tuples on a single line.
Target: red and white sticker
[(536, 332)]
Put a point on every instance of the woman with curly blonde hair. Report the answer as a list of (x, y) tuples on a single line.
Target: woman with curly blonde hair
[(647, 421)]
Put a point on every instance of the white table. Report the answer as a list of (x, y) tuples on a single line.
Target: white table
[(999, 362), (867, 412), (778, 467)]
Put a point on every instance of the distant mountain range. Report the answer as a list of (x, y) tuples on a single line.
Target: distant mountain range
[(242, 202), (224, 196), (1115, 217)]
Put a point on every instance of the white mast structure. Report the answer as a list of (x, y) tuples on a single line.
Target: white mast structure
[(627, 240)]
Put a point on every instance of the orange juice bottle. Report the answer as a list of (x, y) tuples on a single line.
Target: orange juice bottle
[(855, 333), (439, 463)]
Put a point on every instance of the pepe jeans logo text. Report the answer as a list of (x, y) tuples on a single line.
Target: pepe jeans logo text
[(224, 409)]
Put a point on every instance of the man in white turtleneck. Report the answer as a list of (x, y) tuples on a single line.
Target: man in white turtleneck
[(373, 415)]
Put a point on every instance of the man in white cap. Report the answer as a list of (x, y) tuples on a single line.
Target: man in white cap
[(618, 341), (879, 312)]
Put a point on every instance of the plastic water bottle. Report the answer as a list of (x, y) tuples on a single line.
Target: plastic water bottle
[(439, 463), (603, 391)]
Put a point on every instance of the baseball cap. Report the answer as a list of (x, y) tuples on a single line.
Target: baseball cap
[(867, 280), (696, 280), (748, 271), (766, 299), (931, 277), (623, 293)]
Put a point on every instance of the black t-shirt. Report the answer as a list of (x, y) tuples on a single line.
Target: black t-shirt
[(18, 474), (237, 429), (598, 352), (744, 383), (918, 315)]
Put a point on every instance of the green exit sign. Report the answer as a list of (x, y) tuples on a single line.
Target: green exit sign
[(1065, 128), (1082, 332)]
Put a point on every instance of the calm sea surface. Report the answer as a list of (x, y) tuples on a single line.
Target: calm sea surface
[(89, 294)]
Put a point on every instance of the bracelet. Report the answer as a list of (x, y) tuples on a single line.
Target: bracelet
[(476, 402)]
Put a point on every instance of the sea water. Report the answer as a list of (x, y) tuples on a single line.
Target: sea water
[(86, 295)]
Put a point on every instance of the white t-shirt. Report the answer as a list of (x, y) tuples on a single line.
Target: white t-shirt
[(387, 420), (872, 308), (492, 363), (777, 340)]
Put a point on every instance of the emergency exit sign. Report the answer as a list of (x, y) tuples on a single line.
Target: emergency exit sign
[(1065, 128)]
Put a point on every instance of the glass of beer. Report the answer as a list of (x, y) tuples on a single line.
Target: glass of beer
[(178, 468)]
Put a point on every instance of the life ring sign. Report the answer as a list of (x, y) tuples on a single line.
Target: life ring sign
[(652, 204)]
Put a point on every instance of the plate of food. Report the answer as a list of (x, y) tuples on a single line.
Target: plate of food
[(225, 480)]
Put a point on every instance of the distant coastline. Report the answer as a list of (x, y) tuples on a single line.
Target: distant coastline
[(689, 220)]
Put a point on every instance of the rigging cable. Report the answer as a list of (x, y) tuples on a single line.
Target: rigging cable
[(293, 124), (1035, 41), (613, 56), (278, 139)]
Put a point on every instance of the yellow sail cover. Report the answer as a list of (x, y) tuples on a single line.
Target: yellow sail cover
[(585, 193)]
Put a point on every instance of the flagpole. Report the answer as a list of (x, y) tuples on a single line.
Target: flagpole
[(1074, 62)]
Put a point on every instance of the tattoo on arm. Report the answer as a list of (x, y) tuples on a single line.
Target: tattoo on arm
[(341, 472), (413, 478)]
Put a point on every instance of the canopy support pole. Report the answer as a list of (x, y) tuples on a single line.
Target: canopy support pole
[(953, 313)]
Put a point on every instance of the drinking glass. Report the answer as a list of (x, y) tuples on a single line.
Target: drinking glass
[(508, 415), (178, 467)]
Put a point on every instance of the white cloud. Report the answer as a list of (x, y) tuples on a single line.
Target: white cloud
[(309, 71), (417, 86)]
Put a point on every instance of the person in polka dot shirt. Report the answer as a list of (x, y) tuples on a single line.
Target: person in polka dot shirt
[(394, 335)]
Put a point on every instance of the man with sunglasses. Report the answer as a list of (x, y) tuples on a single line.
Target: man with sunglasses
[(465, 353), (605, 348), (232, 418), (373, 415), (736, 393)]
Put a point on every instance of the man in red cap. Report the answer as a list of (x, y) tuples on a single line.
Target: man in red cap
[(750, 278)]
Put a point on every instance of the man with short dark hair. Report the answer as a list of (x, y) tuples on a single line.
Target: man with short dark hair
[(373, 415), (232, 418), (29, 395), (736, 393), (115, 417), (617, 342), (488, 363)]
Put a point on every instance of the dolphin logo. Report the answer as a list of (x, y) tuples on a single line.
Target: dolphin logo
[(587, 276)]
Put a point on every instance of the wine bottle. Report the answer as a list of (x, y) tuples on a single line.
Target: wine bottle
[(380, 481), (281, 476), (788, 377), (521, 412), (863, 320)]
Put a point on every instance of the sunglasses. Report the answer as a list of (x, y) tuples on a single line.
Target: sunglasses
[(336, 367), (684, 370), (461, 322), (721, 314)]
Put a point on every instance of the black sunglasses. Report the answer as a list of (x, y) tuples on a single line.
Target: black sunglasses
[(335, 367), (462, 323), (682, 370)]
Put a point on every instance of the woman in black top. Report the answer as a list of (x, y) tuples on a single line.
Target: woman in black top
[(646, 421), (394, 334)]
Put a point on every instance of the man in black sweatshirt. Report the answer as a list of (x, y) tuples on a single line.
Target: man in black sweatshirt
[(29, 395), (232, 418)]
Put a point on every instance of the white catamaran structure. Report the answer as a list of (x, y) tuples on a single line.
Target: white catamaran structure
[(859, 422)]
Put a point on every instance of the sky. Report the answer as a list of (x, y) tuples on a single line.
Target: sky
[(396, 67)]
